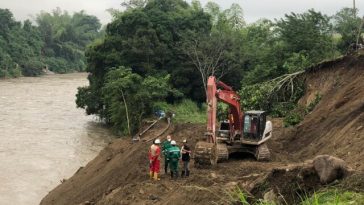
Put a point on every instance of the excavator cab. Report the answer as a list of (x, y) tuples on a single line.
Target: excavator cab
[(254, 125)]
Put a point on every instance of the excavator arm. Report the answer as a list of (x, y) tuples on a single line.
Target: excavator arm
[(208, 152), (219, 91)]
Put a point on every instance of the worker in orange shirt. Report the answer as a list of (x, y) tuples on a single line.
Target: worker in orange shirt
[(154, 159)]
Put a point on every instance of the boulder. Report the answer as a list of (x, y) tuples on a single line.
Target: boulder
[(330, 168)]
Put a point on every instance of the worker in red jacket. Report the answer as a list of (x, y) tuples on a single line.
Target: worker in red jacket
[(154, 159)]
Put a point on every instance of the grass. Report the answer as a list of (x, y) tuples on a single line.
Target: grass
[(334, 197), (324, 197), (185, 111)]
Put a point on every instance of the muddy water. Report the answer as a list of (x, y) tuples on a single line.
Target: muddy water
[(43, 136)]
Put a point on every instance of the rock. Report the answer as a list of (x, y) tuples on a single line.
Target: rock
[(330, 168), (141, 191), (153, 197), (108, 159), (213, 175), (231, 185), (270, 197), (359, 128)]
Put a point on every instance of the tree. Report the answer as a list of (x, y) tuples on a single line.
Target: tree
[(235, 16), (347, 25), (310, 32), (128, 97), (208, 54), (65, 38)]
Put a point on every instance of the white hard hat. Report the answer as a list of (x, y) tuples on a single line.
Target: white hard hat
[(173, 142), (184, 140), (157, 141)]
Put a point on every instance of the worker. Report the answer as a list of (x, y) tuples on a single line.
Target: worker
[(186, 156), (154, 159), (174, 154), (165, 146)]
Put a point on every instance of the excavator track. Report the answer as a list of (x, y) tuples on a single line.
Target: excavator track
[(222, 152), (205, 154), (208, 154), (262, 153)]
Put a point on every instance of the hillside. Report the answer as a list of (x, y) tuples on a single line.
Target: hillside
[(335, 127)]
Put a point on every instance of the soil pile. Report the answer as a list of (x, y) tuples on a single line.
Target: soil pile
[(119, 175), (336, 125)]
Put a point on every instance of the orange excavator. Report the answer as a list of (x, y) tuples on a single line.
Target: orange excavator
[(240, 133)]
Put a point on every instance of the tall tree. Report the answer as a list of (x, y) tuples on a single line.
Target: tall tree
[(347, 25)]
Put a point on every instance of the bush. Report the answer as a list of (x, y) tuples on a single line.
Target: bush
[(32, 67), (313, 104), (282, 109), (294, 117), (15, 72), (58, 65), (185, 111), (4, 73), (127, 96)]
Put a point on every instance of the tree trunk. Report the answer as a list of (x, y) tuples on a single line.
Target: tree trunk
[(126, 110)]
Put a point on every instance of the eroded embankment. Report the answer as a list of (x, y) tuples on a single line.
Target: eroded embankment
[(119, 174)]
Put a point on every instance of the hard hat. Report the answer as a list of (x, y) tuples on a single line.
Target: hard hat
[(184, 141), (173, 142), (157, 141)]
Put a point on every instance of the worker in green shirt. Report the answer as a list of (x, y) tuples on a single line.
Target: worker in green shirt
[(174, 154), (165, 146)]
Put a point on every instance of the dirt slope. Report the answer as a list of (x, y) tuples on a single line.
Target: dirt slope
[(336, 125), (119, 174)]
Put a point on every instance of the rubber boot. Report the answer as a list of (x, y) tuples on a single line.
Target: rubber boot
[(175, 175), (171, 175), (166, 168), (183, 174), (150, 174), (156, 176), (188, 173)]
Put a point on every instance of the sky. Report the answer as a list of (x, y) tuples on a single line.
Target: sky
[(253, 9)]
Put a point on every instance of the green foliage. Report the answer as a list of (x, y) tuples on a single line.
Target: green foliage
[(127, 94), (282, 109), (292, 118), (144, 38), (346, 23), (255, 97), (57, 42), (171, 38), (294, 114), (313, 104), (334, 197), (65, 38), (237, 195), (309, 32), (185, 111)]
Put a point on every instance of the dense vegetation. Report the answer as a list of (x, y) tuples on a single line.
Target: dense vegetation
[(170, 47), (56, 42)]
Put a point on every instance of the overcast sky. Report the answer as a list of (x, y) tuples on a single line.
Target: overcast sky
[(253, 9)]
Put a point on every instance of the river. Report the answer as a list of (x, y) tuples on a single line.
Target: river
[(44, 138)]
